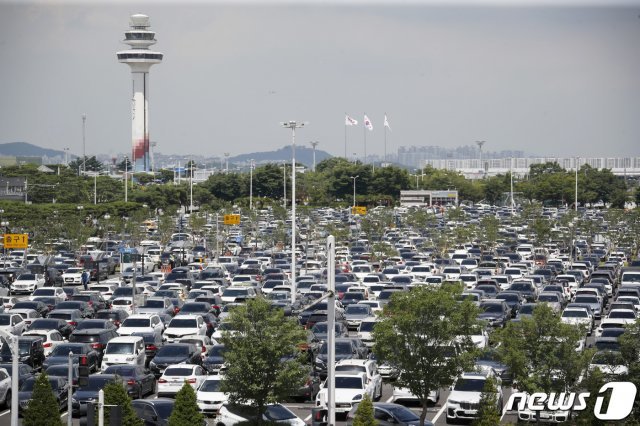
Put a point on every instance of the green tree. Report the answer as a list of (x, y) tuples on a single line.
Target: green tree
[(42, 404), (364, 413), (489, 411), (91, 164), (256, 373), (540, 352), (592, 384), (416, 334), (186, 411), (116, 394)]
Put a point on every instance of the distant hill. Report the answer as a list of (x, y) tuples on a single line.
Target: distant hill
[(23, 149), (304, 155)]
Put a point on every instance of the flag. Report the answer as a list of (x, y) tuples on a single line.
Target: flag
[(386, 122), (367, 123), (348, 121)]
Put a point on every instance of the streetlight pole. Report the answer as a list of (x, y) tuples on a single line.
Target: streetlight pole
[(511, 179), (84, 145), (354, 188), (284, 184), (191, 187), (314, 144), (126, 169), (293, 125), (480, 143), (251, 184), (226, 158), (576, 204)]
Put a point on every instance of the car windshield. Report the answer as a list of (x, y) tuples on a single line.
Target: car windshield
[(121, 370), (367, 326), (210, 386), (154, 304), (586, 299), (607, 358), (194, 307), (58, 370), (97, 382), (403, 414), (575, 313), (492, 308), (357, 309), (136, 322), (278, 413), (27, 277), (183, 323), (348, 382), (119, 348), (87, 324), (612, 332), (342, 348), (547, 298), (216, 351), (28, 384), (469, 385), (178, 371), (624, 314), (520, 287), (173, 351), (63, 350), (234, 292), (5, 319)]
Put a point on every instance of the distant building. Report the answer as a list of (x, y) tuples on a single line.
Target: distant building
[(421, 197), (12, 188)]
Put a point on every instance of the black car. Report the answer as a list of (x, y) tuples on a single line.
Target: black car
[(95, 323), (58, 385), (50, 301), (513, 299), (60, 355), (30, 349), (97, 338), (214, 360), (24, 371), (196, 308), (84, 307), (344, 349), (139, 383), (71, 316), (52, 324), (62, 370), (152, 343), (175, 353), (87, 393), (115, 316), (154, 412), (387, 414), (71, 290), (40, 307), (95, 300), (495, 312)]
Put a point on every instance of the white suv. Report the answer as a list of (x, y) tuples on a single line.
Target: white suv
[(464, 399)]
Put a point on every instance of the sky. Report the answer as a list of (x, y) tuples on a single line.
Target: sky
[(550, 78)]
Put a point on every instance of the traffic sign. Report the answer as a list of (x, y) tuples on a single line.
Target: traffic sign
[(16, 241), (232, 219), (361, 210)]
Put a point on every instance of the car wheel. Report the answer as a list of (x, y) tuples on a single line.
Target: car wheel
[(7, 400)]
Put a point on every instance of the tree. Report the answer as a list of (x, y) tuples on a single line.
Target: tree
[(116, 394), (364, 413), (262, 366), (42, 404), (419, 331), (488, 412), (186, 411), (540, 352)]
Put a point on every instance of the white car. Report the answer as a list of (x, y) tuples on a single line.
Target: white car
[(203, 342), (232, 414), (29, 315), (367, 366), (5, 388), (405, 395), (610, 363), (185, 325), (12, 323), (123, 304), (578, 316), (49, 292), (349, 389), (175, 375), (209, 397), (50, 339), (141, 323), (124, 350), (464, 400), (72, 276), (106, 290), (27, 283)]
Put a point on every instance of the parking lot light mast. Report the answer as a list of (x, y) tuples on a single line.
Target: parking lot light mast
[(251, 184), (354, 188), (576, 205), (293, 125)]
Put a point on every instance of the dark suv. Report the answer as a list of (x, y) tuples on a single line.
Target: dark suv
[(30, 349), (97, 338), (175, 353)]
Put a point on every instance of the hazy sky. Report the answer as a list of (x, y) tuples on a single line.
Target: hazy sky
[(558, 79)]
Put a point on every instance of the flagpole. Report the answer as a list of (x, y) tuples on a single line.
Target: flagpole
[(364, 127), (345, 136), (385, 137)]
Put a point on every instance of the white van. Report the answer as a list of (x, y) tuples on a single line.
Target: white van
[(124, 350)]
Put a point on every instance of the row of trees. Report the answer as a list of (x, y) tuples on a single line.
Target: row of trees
[(330, 184)]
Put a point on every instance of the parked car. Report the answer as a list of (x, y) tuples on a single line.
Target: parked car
[(139, 383), (174, 376), (232, 414), (59, 386), (30, 350), (154, 412), (174, 353), (389, 414)]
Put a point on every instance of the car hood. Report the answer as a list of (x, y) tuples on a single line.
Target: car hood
[(461, 396)]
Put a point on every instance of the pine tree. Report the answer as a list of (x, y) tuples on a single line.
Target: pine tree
[(41, 405), (116, 394), (488, 412), (364, 413), (186, 411)]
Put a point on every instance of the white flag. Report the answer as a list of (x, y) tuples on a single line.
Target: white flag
[(367, 123), (386, 122), (348, 121)]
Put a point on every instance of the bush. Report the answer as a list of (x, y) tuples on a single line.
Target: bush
[(186, 411), (42, 405)]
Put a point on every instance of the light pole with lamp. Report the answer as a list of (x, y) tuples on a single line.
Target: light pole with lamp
[(84, 145), (314, 144), (480, 144), (284, 184), (293, 125), (251, 184), (354, 188), (577, 160), (126, 169)]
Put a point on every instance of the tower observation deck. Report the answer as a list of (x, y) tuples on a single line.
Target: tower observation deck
[(139, 37)]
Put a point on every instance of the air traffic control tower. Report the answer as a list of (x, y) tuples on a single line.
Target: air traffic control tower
[(139, 37)]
